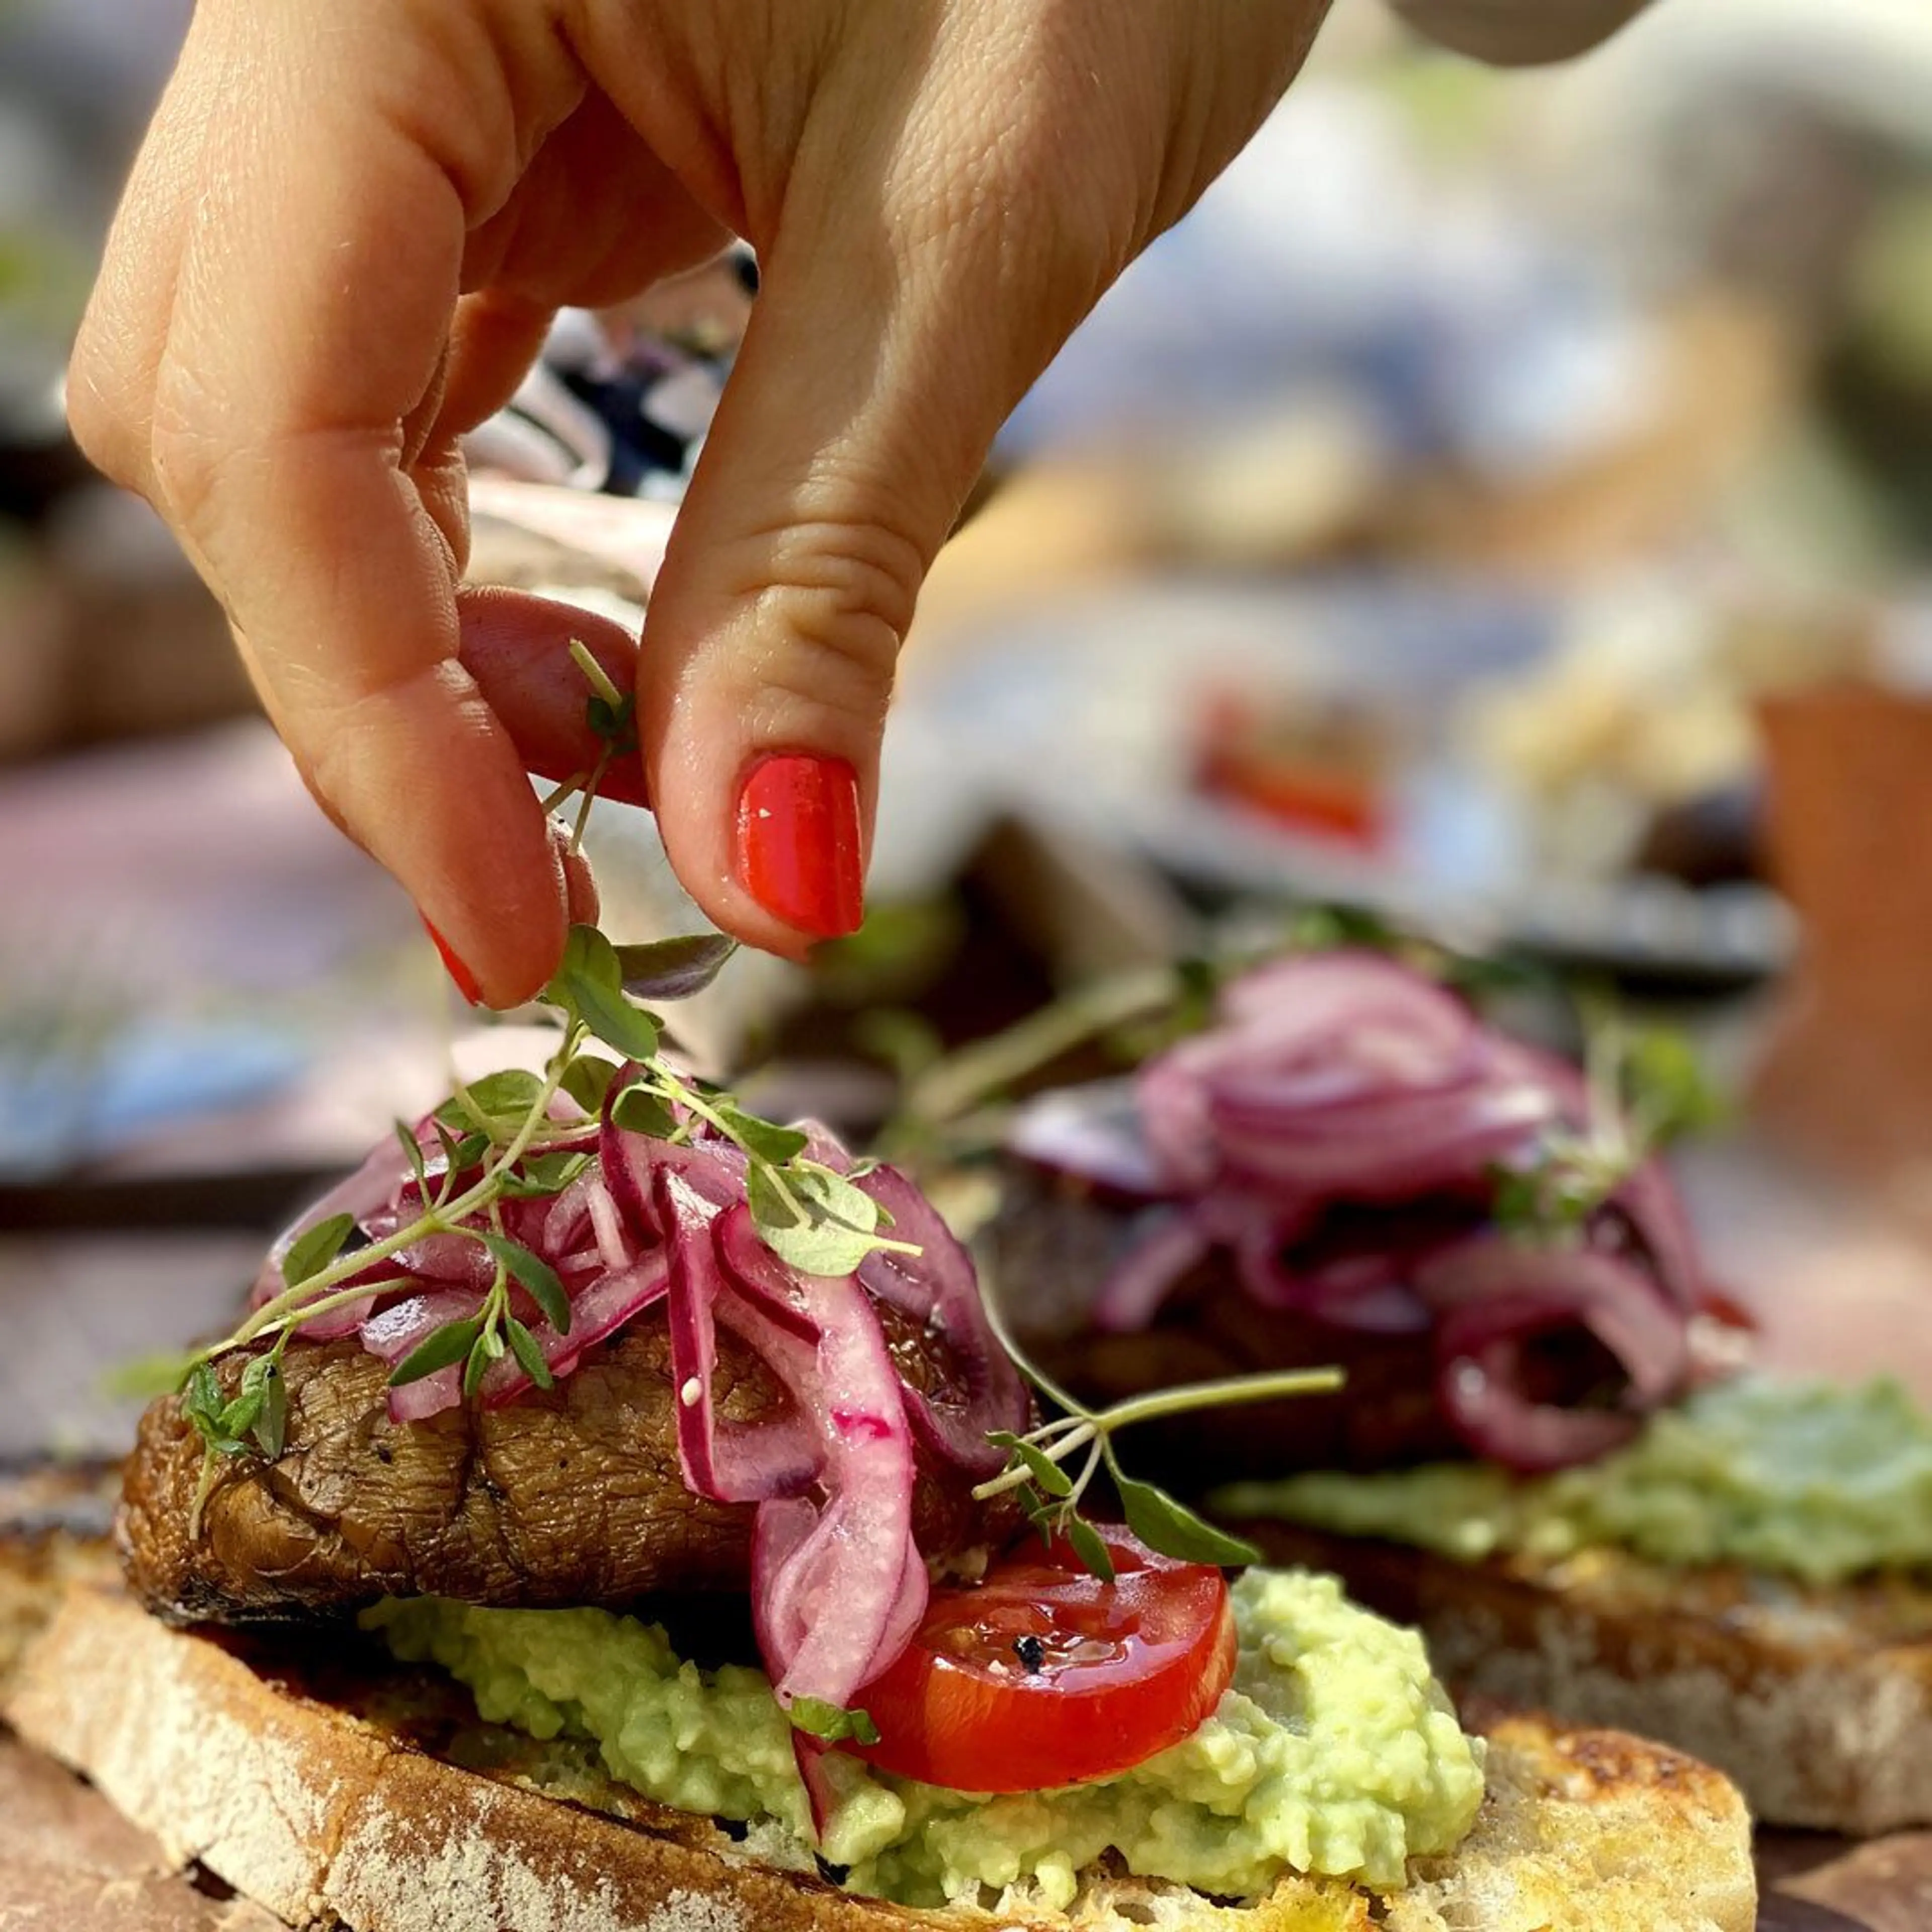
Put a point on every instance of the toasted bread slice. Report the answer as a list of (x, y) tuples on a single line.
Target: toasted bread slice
[(1816, 1700), (353, 1791)]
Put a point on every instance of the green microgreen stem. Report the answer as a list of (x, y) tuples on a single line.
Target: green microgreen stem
[(1100, 1427), (1052, 1498), (594, 778), (552, 799), (595, 675), (953, 1086), (311, 1297), (672, 1088)]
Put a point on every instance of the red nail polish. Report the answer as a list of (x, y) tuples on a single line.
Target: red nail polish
[(798, 843), (466, 980)]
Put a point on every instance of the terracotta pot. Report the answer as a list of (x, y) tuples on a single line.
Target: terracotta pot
[(1848, 1070)]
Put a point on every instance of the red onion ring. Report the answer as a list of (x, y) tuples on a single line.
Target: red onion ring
[(939, 1286), (1093, 1131), (404, 1326), (597, 1311), (1493, 1295), (1339, 1085), (838, 1581)]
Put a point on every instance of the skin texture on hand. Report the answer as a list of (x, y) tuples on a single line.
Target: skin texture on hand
[(342, 245)]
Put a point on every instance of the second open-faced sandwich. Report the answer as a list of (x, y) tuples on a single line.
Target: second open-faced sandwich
[(1539, 1458)]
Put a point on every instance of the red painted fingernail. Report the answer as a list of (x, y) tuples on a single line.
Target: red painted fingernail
[(466, 980), (798, 843)]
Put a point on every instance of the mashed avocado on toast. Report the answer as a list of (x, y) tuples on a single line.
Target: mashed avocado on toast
[(1795, 1477), (1334, 1752)]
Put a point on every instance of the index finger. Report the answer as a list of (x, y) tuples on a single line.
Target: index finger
[(321, 268)]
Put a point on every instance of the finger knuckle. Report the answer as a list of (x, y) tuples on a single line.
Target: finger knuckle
[(839, 595)]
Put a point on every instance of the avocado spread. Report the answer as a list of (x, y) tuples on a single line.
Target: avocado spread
[(1799, 1477), (1334, 1751)]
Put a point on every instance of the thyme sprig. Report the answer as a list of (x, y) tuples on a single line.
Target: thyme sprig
[(1050, 1493)]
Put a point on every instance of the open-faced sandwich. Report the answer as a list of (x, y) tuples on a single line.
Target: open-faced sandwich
[(617, 1511), (1538, 1458)]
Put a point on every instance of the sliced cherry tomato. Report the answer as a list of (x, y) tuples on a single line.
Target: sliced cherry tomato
[(1043, 1675)]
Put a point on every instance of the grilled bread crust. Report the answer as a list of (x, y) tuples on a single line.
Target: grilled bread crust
[(348, 1791), (1816, 1701)]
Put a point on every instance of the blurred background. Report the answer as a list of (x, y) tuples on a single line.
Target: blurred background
[(1503, 507)]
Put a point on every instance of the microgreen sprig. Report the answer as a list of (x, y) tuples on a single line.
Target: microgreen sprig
[(611, 715), (1050, 1493), (499, 1139)]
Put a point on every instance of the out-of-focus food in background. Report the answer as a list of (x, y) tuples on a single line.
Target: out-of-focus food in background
[(1422, 529)]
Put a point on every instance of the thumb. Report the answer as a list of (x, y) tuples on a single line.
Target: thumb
[(875, 373)]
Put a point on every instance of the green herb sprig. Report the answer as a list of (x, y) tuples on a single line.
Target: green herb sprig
[(1646, 1090), (611, 715), (497, 1139), (1050, 1493)]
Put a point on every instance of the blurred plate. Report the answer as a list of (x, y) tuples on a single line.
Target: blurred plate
[(1087, 713)]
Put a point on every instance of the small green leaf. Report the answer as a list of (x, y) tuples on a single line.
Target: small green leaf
[(270, 1430), (413, 1153), (314, 1248), (437, 1350), (1174, 1530), (618, 1024), (615, 724), (478, 1364), (240, 1415), (539, 1176), (1046, 1472), (505, 1099), (640, 1110), (203, 1395), (1089, 1548), (536, 1274), (460, 1152), (588, 959), (1666, 1088), (202, 1402), (587, 1079), (818, 1719), (831, 1231), (674, 969), (765, 1139), (1044, 1516), (523, 1346)]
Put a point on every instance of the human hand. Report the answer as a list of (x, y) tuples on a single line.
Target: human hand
[(341, 247)]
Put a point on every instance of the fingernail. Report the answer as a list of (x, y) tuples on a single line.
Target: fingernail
[(799, 845), (466, 980)]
